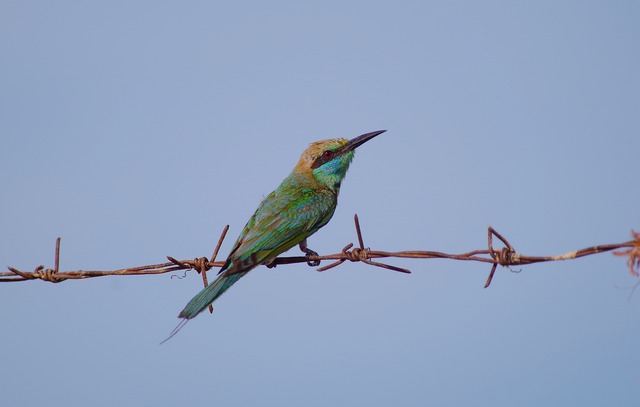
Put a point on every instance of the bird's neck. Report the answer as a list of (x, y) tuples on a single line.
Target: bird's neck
[(330, 175), (311, 180)]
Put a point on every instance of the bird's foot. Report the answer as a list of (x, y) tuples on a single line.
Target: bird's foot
[(271, 264), (312, 263), (308, 253)]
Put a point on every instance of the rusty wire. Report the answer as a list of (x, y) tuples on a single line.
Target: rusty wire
[(505, 256)]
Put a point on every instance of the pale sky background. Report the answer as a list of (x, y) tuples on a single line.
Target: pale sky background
[(137, 130)]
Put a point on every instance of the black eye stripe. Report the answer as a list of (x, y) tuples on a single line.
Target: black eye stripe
[(319, 161), (324, 158)]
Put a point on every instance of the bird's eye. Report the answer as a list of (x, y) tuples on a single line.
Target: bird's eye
[(327, 154)]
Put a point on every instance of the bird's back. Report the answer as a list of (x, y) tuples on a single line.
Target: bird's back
[(291, 213), (287, 216)]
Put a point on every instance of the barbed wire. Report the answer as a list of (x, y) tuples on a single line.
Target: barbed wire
[(505, 256)]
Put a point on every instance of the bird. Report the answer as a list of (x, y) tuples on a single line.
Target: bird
[(302, 204)]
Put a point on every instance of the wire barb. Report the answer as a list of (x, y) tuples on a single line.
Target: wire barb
[(633, 253), (203, 271), (504, 257)]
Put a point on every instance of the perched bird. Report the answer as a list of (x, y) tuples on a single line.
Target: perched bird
[(303, 203)]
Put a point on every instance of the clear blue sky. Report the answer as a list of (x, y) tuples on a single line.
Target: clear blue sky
[(137, 130)]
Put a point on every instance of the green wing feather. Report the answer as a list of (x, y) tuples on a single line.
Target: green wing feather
[(283, 219)]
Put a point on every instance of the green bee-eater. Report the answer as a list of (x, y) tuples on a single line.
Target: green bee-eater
[(303, 203)]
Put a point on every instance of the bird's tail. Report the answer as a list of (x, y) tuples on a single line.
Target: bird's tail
[(205, 297), (209, 294)]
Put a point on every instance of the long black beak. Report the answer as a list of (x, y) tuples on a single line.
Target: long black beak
[(360, 140)]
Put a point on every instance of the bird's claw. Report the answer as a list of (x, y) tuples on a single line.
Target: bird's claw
[(312, 263)]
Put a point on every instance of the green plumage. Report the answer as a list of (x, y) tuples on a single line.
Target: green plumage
[(303, 203), (290, 214)]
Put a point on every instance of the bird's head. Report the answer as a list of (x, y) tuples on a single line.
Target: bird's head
[(328, 160)]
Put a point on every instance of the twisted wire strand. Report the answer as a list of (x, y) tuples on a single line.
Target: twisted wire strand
[(505, 256)]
